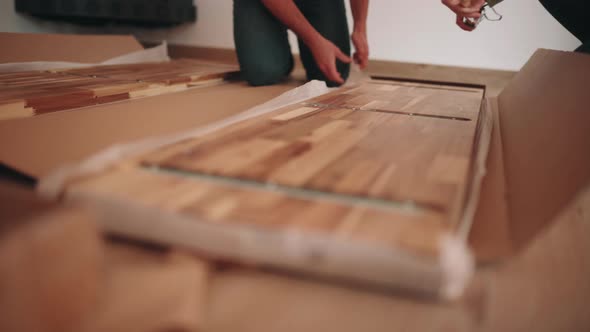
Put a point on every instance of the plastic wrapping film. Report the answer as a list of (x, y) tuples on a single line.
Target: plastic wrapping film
[(315, 254), (155, 54)]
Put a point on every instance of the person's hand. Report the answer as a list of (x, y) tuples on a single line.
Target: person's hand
[(361, 46), (461, 23), (325, 54), (470, 11)]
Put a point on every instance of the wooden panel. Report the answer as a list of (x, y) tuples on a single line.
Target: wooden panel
[(41, 92), (362, 153)]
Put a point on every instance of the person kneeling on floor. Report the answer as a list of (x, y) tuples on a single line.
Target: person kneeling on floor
[(262, 45)]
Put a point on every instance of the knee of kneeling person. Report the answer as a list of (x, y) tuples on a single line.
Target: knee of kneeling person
[(265, 74)]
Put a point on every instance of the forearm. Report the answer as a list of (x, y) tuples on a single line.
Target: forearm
[(287, 12), (360, 9)]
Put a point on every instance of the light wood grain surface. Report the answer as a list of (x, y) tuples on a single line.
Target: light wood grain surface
[(24, 94), (417, 152)]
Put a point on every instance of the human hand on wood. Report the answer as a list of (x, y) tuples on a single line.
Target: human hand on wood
[(325, 54), (465, 9), (361, 46)]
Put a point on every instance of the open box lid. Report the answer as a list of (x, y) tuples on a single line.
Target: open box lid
[(540, 154), (25, 47)]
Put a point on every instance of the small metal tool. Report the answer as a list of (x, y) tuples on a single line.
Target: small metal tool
[(487, 12)]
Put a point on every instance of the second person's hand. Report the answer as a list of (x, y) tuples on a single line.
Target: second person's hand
[(459, 7), (361, 46)]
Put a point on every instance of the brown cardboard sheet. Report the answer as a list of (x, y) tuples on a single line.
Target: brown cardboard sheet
[(24, 47), (539, 156)]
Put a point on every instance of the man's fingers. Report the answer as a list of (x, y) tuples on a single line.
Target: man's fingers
[(463, 25), (332, 74)]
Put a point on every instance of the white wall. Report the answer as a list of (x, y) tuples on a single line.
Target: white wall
[(419, 31)]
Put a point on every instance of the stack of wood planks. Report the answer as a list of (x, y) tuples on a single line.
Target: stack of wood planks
[(25, 94), (388, 164)]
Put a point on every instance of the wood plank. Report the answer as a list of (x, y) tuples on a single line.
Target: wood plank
[(299, 170), (235, 157)]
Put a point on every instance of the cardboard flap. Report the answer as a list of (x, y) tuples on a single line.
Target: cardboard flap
[(25, 47), (545, 126)]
